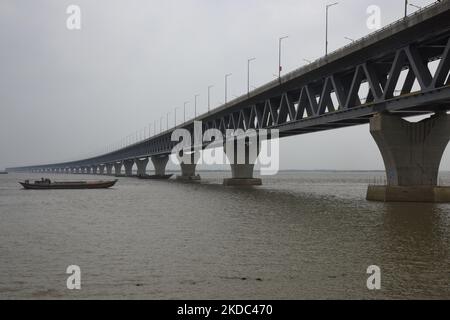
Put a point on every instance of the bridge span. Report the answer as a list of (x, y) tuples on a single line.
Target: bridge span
[(399, 71)]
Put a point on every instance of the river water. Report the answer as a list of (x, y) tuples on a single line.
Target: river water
[(301, 235)]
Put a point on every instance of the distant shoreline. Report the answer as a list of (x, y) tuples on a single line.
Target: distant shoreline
[(297, 170), (294, 170)]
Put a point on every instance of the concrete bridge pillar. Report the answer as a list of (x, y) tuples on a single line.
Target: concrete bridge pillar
[(128, 164), (412, 153), (141, 166), (160, 163), (242, 157), (117, 168), (88, 170), (94, 169), (188, 169), (101, 169), (109, 167)]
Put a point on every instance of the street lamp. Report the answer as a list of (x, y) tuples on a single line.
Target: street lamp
[(184, 110), (349, 39), (160, 124), (248, 75), (209, 97), (195, 105), (175, 112), (415, 6), (326, 27), (167, 119), (279, 56), (226, 86)]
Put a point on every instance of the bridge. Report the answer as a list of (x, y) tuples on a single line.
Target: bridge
[(379, 79)]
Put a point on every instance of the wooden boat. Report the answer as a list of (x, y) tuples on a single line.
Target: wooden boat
[(156, 177), (45, 184)]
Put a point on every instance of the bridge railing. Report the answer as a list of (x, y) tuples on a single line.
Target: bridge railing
[(372, 34), (327, 57)]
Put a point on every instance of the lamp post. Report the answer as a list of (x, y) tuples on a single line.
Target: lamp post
[(326, 27), (226, 86), (175, 112), (195, 105), (248, 75), (160, 124), (184, 110), (167, 119), (415, 6), (406, 8), (279, 56), (209, 97)]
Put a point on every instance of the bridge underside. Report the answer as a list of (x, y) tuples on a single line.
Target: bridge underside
[(399, 71)]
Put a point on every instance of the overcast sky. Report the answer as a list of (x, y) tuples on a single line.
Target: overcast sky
[(65, 94)]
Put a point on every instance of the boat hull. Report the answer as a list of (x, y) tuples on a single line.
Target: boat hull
[(61, 186)]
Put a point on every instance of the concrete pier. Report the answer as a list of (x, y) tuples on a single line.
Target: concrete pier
[(188, 169), (101, 169), (242, 157), (242, 175), (188, 173), (141, 165), (109, 167), (128, 164), (94, 169), (160, 163), (412, 153), (117, 168)]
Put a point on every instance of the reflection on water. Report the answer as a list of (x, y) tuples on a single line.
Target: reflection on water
[(301, 235), (417, 234)]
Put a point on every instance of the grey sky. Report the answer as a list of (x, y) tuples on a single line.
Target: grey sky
[(64, 94)]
